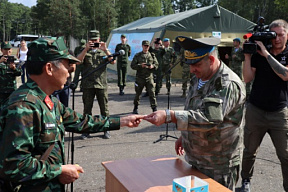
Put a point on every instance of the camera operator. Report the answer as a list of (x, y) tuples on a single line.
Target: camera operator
[(8, 72), (267, 110), (92, 56)]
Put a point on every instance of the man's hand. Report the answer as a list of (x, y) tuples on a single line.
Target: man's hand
[(178, 146), (3, 59), (131, 120), (70, 173), (263, 50), (157, 118)]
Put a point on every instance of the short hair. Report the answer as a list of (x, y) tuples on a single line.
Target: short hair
[(36, 67), (279, 23)]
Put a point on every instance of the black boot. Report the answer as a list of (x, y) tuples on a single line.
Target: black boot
[(121, 90), (184, 94), (154, 109), (135, 110)]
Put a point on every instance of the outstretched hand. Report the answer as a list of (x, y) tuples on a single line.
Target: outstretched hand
[(131, 120), (157, 118)]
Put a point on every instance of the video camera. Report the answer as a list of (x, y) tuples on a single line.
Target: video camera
[(260, 33)]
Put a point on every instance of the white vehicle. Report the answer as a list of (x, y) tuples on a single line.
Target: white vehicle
[(28, 38)]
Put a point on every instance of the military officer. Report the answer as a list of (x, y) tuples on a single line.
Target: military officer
[(93, 55), (8, 73), (32, 124), (168, 60), (144, 63), (211, 123), (79, 67), (122, 62)]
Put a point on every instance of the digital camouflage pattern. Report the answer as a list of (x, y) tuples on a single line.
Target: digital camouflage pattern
[(186, 75), (79, 67), (237, 62), (212, 123), (28, 127), (122, 62), (158, 73), (7, 81), (144, 76), (168, 59)]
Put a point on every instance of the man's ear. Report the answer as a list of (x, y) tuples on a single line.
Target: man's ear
[(48, 68), (212, 59)]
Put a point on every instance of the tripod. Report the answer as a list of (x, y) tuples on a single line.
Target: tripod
[(73, 87), (166, 135)]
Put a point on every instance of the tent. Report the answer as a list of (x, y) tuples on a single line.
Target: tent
[(207, 21)]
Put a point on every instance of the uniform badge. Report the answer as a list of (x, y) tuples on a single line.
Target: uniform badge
[(283, 60), (48, 102)]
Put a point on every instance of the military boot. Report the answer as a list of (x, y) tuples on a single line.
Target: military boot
[(135, 110), (121, 92), (184, 94), (154, 109)]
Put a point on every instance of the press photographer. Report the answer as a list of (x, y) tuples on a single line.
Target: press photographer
[(8, 72), (267, 108)]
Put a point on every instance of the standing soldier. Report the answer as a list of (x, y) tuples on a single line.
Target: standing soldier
[(94, 55), (8, 73), (168, 60), (159, 51), (79, 67), (186, 75), (145, 63), (122, 62)]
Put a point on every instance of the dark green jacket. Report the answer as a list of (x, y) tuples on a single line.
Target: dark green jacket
[(28, 126), (140, 58), (123, 59)]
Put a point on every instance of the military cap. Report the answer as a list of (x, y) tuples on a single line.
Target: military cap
[(94, 34), (145, 42), (6, 45), (166, 39), (49, 49), (197, 49), (123, 35), (83, 42), (237, 39)]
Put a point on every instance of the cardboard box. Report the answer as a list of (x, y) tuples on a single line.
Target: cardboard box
[(190, 184)]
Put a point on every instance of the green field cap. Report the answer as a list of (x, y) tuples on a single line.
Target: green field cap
[(6, 45)]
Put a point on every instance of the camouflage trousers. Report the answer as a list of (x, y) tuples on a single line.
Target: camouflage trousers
[(186, 76), (165, 69), (121, 73), (158, 80), (227, 178), (149, 84), (88, 99)]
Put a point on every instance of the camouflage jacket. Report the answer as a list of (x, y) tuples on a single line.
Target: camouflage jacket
[(236, 62), (30, 122), (123, 59), (212, 123), (92, 60), (159, 55), (8, 78), (169, 57), (140, 58)]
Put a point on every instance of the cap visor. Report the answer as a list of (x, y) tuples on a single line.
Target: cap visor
[(192, 61)]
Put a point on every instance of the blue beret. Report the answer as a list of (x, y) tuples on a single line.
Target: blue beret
[(237, 39), (166, 39), (197, 49)]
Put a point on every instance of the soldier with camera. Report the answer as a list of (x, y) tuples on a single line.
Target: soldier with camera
[(267, 110), (8, 72), (92, 56)]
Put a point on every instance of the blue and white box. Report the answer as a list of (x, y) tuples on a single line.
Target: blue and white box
[(190, 184)]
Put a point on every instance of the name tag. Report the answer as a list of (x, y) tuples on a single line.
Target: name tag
[(50, 126)]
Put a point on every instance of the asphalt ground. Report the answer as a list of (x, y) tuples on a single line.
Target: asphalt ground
[(129, 143)]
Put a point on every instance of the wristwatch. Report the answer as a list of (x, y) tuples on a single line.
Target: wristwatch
[(168, 116)]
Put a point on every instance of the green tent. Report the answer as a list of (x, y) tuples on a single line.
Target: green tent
[(207, 21)]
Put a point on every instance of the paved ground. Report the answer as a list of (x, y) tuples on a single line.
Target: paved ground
[(130, 143)]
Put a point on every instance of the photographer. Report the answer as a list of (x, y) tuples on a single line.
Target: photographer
[(8, 73), (267, 110), (92, 56)]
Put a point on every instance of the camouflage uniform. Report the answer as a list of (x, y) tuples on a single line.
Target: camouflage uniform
[(30, 123), (168, 59), (96, 83), (158, 73), (186, 75), (144, 76), (212, 126), (7, 81), (122, 62), (79, 67)]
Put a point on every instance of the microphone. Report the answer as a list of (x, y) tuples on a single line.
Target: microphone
[(120, 52)]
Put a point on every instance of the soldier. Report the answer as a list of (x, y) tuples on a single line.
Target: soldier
[(168, 60), (122, 62), (93, 55), (145, 63), (79, 67), (211, 123), (32, 124), (186, 75), (8, 73), (159, 51)]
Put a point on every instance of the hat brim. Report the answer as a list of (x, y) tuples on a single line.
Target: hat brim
[(94, 38), (71, 59), (192, 61)]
